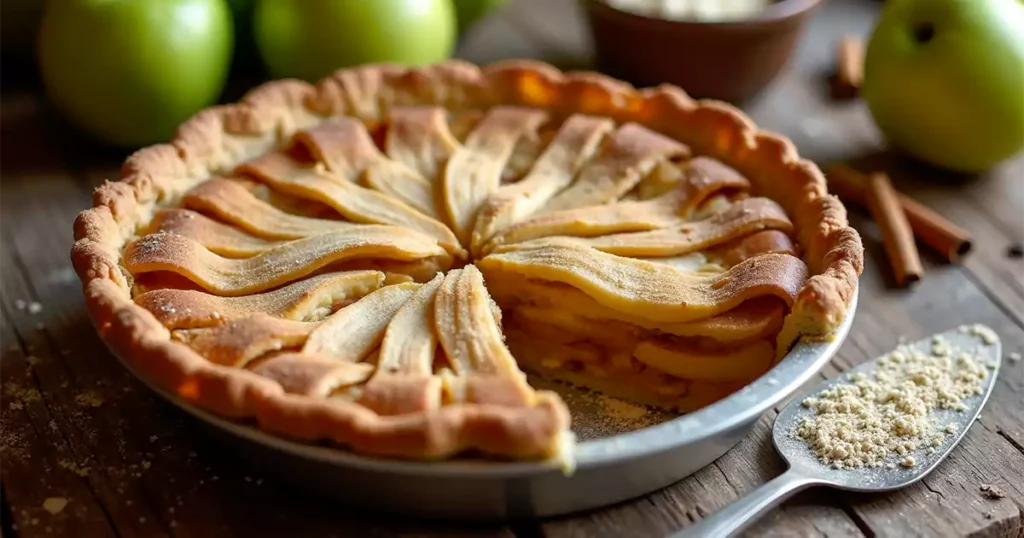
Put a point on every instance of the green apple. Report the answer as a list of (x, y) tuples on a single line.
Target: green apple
[(129, 71), (308, 40), (469, 11), (944, 80)]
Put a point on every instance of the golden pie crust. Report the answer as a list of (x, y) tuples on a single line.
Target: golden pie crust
[(368, 260)]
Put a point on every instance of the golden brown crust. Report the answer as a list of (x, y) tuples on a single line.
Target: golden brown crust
[(218, 139)]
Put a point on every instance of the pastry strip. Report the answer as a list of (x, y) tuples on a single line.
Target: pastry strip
[(355, 203), (345, 147), (473, 342), (743, 218), (308, 299), (233, 203), (404, 184), (364, 91), (668, 209), (312, 375), (649, 228), (764, 242), (628, 155), (354, 331), (281, 265), (753, 319), (474, 170), (700, 178), (404, 381), (658, 292), (418, 137), (219, 238), (593, 221), (240, 340), (342, 144), (576, 141)]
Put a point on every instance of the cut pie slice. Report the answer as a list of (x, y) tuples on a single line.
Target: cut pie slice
[(373, 262)]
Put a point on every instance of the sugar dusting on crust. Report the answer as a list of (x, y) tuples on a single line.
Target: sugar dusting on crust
[(862, 422), (207, 144)]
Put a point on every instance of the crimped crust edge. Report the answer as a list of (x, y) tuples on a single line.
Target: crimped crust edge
[(220, 137)]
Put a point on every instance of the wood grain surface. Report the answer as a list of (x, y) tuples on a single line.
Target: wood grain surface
[(77, 427)]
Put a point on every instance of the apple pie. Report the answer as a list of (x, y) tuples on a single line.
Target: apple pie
[(374, 261)]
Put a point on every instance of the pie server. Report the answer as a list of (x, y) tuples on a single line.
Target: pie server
[(805, 470)]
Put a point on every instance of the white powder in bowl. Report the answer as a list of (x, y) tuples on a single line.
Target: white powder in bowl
[(693, 10)]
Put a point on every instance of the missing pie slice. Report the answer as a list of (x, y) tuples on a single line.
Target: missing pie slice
[(375, 260)]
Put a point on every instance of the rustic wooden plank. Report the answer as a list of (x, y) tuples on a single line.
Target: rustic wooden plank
[(42, 459), (32, 451)]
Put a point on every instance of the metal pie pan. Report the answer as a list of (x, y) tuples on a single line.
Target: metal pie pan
[(610, 468)]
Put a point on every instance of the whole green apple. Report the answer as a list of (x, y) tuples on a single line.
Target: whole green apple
[(129, 71), (308, 40), (944, 80), (469, 11)]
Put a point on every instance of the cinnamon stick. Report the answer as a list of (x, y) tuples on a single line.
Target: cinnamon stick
[(900, 247), (932, 229), (849, 67)]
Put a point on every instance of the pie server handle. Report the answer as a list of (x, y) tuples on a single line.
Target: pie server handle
[(739, 515)]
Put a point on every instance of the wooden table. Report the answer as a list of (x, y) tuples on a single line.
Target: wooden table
[(76, 426)]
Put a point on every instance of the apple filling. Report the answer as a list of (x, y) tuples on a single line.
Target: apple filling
[(601, 322)]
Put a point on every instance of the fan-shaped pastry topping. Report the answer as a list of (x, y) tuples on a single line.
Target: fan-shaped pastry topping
[(574, 145), (370, 261)]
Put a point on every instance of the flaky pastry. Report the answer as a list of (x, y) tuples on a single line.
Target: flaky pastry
[(372, 259)]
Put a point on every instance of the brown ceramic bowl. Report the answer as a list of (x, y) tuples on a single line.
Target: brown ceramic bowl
[(731, 61)]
